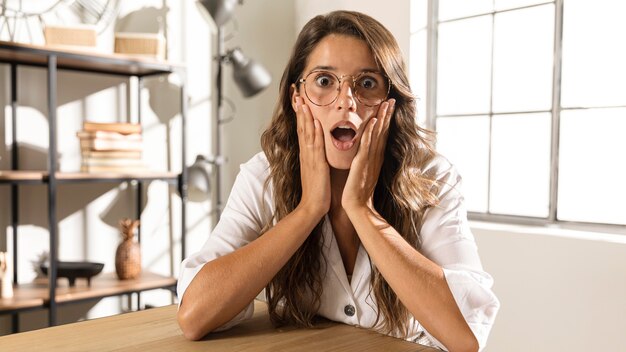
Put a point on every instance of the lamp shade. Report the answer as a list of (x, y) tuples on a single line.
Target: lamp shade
[(250, 76), (220, 10), (199, 179)]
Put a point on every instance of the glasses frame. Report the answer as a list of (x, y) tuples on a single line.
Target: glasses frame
[(352, 86)]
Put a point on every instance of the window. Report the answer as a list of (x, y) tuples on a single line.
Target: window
[(529, 102)]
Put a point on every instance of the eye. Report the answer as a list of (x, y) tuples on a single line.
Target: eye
[(368, 83), (324, 80)]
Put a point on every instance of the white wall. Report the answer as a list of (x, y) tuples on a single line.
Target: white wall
[(560, 290), (265, 35), (393, 15)]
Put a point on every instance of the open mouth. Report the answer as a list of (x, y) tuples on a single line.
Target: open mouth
[(343, 133), (343, 136)]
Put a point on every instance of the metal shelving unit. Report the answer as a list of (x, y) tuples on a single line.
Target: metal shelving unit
[(48, 293)]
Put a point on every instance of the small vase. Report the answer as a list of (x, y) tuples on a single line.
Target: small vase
[(128, 254)]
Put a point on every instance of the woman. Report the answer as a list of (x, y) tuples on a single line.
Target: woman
[(348, 212)]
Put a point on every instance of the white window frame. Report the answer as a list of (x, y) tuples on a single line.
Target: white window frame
[(431, 122)]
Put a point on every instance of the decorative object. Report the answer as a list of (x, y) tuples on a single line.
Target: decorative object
[(42, 258), (6, 275), (128, 254), (74, 270), (78, 36), (249, 76), (140, 44), (24, 20)]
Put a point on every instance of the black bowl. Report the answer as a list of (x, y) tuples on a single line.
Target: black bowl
[(74, 270)]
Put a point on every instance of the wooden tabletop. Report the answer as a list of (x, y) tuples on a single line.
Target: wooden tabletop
[(157, 330)]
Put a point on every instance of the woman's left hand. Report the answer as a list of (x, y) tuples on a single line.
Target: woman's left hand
[(365, 168)]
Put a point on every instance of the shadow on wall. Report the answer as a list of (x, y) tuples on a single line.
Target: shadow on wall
[(144, 20), (36, 97), (72, 198), (33, 204), (164, 96)]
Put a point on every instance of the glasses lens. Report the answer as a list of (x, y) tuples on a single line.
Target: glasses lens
[(371, 88), (322, 87)]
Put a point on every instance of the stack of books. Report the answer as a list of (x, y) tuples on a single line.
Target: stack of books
[(111, 147)]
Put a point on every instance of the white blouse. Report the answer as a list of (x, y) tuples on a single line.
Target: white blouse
[(446, 240)]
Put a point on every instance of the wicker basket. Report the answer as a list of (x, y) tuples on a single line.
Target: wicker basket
[(83, 36), (140, 44)]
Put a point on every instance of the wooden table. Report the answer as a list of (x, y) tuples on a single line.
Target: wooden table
[(157, 330)]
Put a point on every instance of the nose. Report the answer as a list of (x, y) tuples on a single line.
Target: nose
[(346, 98)]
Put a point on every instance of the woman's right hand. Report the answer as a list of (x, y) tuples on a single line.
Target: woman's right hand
[(314, 169)]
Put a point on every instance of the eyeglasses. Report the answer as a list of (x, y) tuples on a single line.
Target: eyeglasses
[(322, 87)]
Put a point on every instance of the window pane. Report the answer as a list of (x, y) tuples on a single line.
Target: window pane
[(465, 142), (449, 9), (418, 73), (419, 15), (464, 67), (523, 59), (511, 4), (592, 166), (594, 53), (520, 167)]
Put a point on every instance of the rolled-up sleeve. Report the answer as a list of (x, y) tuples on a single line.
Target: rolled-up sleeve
[(448, 241), (247, 210)]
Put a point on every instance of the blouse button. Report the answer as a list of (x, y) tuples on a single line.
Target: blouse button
[(349, 310)]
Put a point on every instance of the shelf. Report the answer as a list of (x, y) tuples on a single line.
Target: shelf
[(108, 284), (77, 177), (36, 294), (21, 176), (23, 299), (84, 60)]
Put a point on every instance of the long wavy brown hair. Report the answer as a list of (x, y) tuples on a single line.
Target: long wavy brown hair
[(403, 192)]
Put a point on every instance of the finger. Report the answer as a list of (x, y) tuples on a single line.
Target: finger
[(366, 139), (303, 118), (319, 134), (378, 132), (390, 111), (309, 129), (380, 142), (382, 116), (382, 132), (299, 118), (386, 122)]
